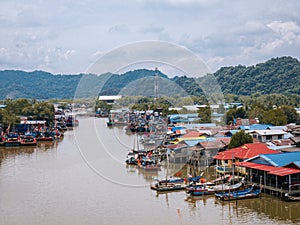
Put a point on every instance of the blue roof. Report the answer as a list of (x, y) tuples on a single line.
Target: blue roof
[(196, 141), (282, 159), (191, 142), (177, 128), (255, 127), (297, 163)]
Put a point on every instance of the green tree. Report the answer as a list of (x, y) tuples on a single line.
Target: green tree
[(240, 138), (235, 113), (43, 111), (8, 119), (204, 113), (256, 111), (274, 117), (102, 105), (291, 114)]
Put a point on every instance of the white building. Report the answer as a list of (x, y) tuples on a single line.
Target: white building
[(268, 135), (109, 99)]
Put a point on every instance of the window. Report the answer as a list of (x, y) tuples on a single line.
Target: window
[(269, 137)]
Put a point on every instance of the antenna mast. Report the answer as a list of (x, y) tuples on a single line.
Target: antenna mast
[(156, 96)]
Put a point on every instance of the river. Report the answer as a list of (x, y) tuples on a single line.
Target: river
[(83, 180)]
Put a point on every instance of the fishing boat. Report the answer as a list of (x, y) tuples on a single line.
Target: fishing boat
[(209, 188), (44, 136), (71, 121), (228, 187), (202, 189), (162, 187), (28, 140), (11, 140), (171, 180), (291, 197), (250, 192), (135, 153), (148, 165)]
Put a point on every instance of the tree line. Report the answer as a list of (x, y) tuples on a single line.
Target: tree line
[(11, 114), (275, 76)]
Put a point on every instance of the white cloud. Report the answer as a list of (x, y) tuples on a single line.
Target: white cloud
[(65, 36)]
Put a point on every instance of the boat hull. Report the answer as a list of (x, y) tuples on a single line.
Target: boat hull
[(238, 195), (168, 187)]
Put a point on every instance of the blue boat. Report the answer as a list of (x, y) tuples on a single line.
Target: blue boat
[(199, 190), (250, 192)]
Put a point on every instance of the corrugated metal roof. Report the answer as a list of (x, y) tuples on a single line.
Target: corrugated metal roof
[(269, 132), (279, 171), (255, 127), (282, 159), (245, 152), (297, 163), (255, 166), (191, 142), (283, 171)]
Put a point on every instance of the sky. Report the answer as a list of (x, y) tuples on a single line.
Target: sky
[(68, 36)]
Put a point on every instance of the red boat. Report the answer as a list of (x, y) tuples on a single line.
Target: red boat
[(28, 140)]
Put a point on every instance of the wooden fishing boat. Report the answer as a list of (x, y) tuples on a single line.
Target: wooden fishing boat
[(228, 187), (210, 188), (250, 192), (149, 166), (131, 161), (291, 197), (28, 140), (202, 189), (11, 140), (168, 187), (45, 136)]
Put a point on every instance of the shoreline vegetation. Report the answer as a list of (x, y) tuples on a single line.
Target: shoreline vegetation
[(274, 109)]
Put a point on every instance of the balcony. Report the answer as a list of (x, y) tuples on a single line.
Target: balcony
[(223, 169)]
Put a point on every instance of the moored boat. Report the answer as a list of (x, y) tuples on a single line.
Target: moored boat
[(168, 187), (28, 140), (148, 165), (228, 187), (11, 140), (202, 189), (45, 136), (250, 192), (291, 197)]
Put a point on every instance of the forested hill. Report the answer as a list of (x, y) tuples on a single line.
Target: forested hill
[(277, 75)]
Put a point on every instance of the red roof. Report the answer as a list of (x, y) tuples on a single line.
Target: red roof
[(191, 134), (255, 166), (224, 140), (279, 171), (246, 151), (176, 146), (245, 122), (226, 155)]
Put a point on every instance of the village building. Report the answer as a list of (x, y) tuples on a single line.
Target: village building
[(225, 160), (109, 99), (268, 135), (278, 174)]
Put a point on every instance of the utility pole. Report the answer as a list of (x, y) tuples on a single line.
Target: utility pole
[(156, 95)]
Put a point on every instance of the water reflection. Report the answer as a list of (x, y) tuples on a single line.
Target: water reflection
[(16, 152), (51, 184), (273, 208)]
